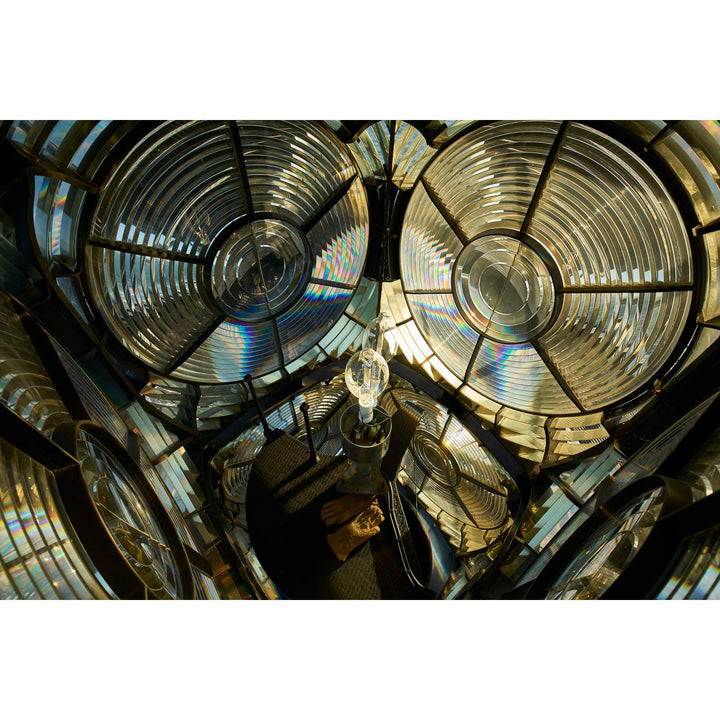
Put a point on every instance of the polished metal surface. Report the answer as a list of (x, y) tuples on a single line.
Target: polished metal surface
[(363, 470)]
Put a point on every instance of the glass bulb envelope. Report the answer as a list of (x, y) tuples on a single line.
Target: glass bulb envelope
[(366, 376), (379, 336)]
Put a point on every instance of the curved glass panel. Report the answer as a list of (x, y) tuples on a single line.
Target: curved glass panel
[(25, 386), (128, 518), (609, 550), (457, 481), (56, 215), (38, 557), (203, 269), (606, 344), (546, 266), (153, 305), (696, 573)]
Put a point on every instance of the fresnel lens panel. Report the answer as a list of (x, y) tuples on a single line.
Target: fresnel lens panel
[(541, 272), (546, 266), (221, 249)]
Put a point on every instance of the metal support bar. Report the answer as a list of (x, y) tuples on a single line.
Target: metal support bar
[(712, 226), (308, 431), (187, 352), (449, 219), (335, 198), (550, 161), (640, 287), (266, 428), (239, 158), (145, 251), (669, 127), (547, 361)]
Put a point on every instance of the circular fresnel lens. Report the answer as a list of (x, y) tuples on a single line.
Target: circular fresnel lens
[(546, 266), (207, 271), (128, 518)]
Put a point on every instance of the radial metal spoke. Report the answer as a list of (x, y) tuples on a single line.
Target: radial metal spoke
[(464, 507), (540, 350), (638, 288), (145, 251), (484, 486), (534, 201), (335, 198), (544, 175), (239, 158), (471, 362), (278, 342), (444, 430), (447, 216), (428, 292), (331, 283), (195, 344), (389, 162)]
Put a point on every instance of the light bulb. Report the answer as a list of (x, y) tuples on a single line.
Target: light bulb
[(378, 336), (366, 376)]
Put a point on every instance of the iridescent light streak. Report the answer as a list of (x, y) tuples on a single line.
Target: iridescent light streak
[(234, 350), (494, 364), (61, 195), (338, 261), (321, 294), (713, 127), (709, 579), (42, 185), (440, 314), (88, 142), (58, 134), (311, 318), (427, 261)]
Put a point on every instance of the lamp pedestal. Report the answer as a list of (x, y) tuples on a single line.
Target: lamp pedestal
[(362, 474)]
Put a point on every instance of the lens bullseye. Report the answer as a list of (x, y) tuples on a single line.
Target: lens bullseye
[(260, 270), (503, 289)]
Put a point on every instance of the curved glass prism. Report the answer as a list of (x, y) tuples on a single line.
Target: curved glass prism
[(128, 518), (609, 550)]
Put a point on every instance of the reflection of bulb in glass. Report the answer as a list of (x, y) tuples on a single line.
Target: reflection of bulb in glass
[(378, 336), (366, 376)]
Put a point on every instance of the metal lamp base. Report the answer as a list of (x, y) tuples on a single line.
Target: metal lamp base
[(361, 479), (362, 469)]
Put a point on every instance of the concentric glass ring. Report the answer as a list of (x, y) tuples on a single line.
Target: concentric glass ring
[(546, 266), (434, 460), (260, 270), (503, 288), (128, 518)]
